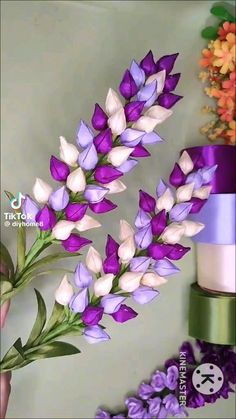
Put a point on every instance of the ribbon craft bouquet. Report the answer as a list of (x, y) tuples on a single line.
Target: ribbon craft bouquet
[(143, 258)]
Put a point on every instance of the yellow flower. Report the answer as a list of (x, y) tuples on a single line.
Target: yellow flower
[(225, 52)]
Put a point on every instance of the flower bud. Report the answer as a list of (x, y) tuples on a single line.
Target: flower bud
[(76, 181), (87, 223), (117, 122), (116, 186), (103, 285), (145, 123), (125, 230), (119, 155), (130, 281), (184, 193), (127, 249), (94, 260), (151, 279), (113, 102), (160, 79), (64, 292), (95, 334), (191, 228), (159, 113), (185, 163), (203, 192), (41, 191), (166, 201), (68, 152), (173, 233), (63, 229)]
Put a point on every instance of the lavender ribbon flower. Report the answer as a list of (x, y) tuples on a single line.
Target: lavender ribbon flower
[(95, 334), (145, 391), (172, 377), (142, 219), (139, 264), (137, 73), (154, 406), (82, 276), (143, 237), (165, 268), (158, 381), (111, 303), (59, 199), (84, 135), (135, 408), (180, 212), (148, 94), (144, 295), (131, 137), (127, 166), (95, 193), (88, 158), (30, 209), (79, 302)]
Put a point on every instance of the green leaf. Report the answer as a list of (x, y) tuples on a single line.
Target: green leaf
[(222, 13), (40, 320), (5, 284), (6, 258), (52, 350), (210, 32), (52, 258), (56, 316), (14, 355), (21, 246), (9, 195)]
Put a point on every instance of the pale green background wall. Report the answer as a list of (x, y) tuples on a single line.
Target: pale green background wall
[(58, 58)]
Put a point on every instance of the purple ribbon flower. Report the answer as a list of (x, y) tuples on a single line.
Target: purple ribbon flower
[(92, 315), (128, 87), (103, 206), (99, 118), (106, 174), (123, 314), (59, 170), (74, 243), (148, 64), (75, 211), (103, 141), (46, 218), (146, 201)]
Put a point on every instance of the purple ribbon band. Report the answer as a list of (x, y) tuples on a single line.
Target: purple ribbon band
[(224, 180), (218, 215)]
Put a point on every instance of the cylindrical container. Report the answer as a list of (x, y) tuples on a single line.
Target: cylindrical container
[(224, 156), (216, 267), (212, 316)]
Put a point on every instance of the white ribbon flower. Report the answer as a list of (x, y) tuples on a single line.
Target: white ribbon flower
[(184, 193), (94, 260), (125, 230), (117, 122), (159, 113), (113, 102), (203, 192), (68, 152), (116, 186), (118, 155), (87, 223), (64, 292), (166, 201), (41, 191), (185, 163), (76, 180), (145, 123), (191, 228), (103, 285), (63, 229), (173, 233), (160, 79), (130, 281), (151, 279), (127, 249)]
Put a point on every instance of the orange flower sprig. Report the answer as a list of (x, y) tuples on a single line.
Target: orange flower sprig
[(218, 62)]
